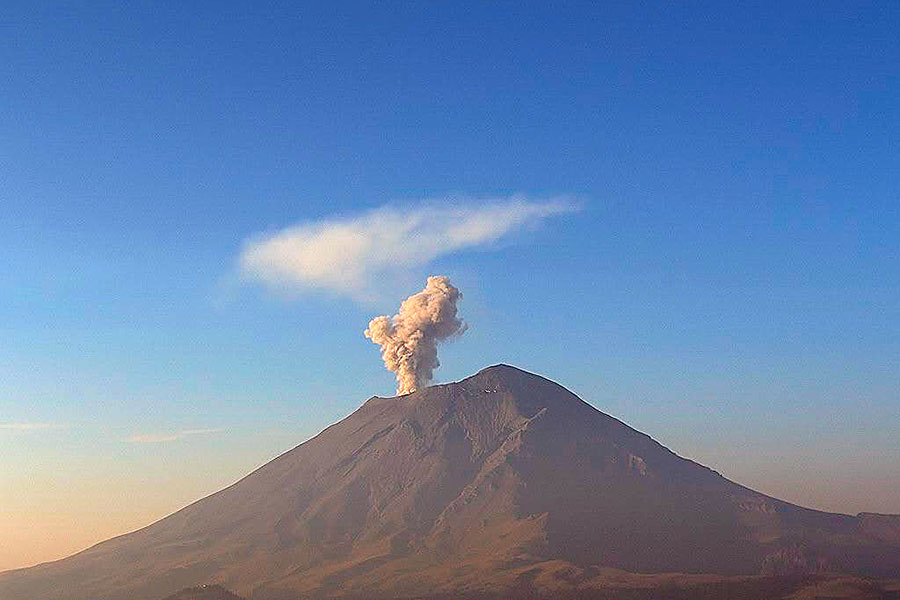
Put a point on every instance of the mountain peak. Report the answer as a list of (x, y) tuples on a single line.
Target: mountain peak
[(506, 374), (503, 368), (499, 373)]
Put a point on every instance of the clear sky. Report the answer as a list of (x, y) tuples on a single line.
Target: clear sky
[(723, 273)]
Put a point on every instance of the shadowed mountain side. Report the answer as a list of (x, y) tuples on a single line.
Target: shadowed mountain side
[(204, 592), (478, 485)]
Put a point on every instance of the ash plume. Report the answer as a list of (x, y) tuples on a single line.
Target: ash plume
[(409, 339)]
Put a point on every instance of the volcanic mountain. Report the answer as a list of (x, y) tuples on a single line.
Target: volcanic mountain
[(501, 480)]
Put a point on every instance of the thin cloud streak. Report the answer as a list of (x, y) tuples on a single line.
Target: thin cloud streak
[(31, 426), (345, 255), (159, 438)]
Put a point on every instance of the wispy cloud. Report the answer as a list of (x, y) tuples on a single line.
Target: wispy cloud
[(186, 432), (158, 438), (31, 426), (344, 255)]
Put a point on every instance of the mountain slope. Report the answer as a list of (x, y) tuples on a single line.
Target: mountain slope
[(204, 592), (503, 479)]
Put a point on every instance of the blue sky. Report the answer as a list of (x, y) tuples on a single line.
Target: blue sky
[(729, 283)]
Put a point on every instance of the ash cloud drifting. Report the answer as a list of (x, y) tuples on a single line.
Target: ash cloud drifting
[(409, 339)]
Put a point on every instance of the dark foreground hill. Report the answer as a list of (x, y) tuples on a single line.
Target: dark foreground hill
[(204, 592), (503, 481), (788, 587)]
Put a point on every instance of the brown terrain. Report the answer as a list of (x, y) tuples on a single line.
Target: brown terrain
[(204, 592), (503, 485)]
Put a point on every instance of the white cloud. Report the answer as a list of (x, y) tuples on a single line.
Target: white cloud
[(158, 438), (30, 426), (344, 255)]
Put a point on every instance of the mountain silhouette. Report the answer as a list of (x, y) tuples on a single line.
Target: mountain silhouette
[(502, 480)]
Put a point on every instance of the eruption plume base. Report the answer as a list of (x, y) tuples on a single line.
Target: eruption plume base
[(409, 339)]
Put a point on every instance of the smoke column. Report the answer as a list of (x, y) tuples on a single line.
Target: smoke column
[(409, 339)]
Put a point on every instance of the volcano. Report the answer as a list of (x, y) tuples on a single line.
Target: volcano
[(503, 479)]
